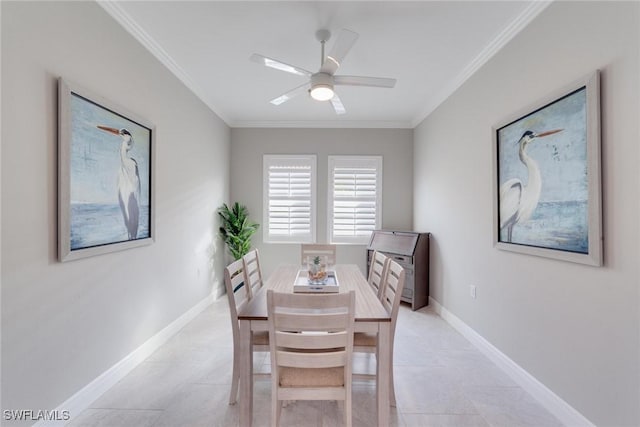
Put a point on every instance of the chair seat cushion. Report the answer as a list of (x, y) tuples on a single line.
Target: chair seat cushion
[(311, 377), (365, 339), (261, 338)]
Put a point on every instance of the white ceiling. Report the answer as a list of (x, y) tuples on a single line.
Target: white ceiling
[(430, 47)]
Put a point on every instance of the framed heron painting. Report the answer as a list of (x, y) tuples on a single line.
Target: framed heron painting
[(547, 193), (105, 175)]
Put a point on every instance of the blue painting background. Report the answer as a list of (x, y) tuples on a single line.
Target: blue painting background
[(560, 220), (96, 218)]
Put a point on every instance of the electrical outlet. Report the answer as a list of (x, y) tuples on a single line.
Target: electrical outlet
[(472, 291)]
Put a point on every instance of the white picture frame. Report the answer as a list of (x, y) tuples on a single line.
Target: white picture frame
[(106, 166), (549, 203)]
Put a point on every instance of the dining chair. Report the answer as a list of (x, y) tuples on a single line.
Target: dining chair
[(309, 251), (311, 341), (252, 271), (377, 271), (363, 342), (239, 293)]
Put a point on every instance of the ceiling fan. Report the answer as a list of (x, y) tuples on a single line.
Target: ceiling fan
[(320, 85)]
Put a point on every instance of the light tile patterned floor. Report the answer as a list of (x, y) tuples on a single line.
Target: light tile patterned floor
[(441, 380)]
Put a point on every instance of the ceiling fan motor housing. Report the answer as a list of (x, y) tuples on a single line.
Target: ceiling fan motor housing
[(323, 79)]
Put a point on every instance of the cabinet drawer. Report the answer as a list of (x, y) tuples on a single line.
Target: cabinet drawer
[(402, 260)]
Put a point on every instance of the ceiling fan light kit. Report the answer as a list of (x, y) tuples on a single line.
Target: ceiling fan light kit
[(321, 87), (321, 84)]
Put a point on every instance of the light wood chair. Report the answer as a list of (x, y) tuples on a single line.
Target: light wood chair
[(311, 340), (239, 293), (378, 271), (392, 287), (252, 271), (309, 251)]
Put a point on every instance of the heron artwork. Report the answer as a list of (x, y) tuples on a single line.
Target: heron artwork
[(128, 183), (518, 200)]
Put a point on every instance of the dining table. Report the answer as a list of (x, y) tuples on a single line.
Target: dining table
[(370, 317)]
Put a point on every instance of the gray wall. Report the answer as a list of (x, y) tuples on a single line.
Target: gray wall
[(395, 145), (574, 327), (63, 324)]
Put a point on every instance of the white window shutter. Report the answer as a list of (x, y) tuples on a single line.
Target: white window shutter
[(355, 196), (289, 198)]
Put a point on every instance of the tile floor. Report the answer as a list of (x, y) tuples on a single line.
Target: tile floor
[(441, 380)]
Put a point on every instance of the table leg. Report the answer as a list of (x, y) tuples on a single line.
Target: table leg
[(246, 374), (383, 377)]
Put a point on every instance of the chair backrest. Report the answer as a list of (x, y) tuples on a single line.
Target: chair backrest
[(238, 293), (311, 331), (392, 291), (252, 271), (378, 271), (309, 251)]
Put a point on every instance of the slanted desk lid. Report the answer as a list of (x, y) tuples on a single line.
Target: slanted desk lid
[(396, 242)]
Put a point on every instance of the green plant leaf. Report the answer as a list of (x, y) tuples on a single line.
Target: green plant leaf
[(236, 228)]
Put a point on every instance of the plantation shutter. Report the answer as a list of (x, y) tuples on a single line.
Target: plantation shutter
[(354, 198), (289, 198)]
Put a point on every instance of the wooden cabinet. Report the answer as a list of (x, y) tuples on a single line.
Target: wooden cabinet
[(411, 251)]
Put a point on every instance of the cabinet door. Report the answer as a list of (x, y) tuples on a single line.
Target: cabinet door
[(409, 285)]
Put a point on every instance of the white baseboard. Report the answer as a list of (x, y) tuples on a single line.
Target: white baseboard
[(92, 391), (551, 401)]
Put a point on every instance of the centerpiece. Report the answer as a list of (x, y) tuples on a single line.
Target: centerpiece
[(316, 278), (317, 272)]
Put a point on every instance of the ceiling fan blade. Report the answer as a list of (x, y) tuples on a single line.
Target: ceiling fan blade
[(291, 94), (278, 65), (364, 81), (344, 43), (337, 105)]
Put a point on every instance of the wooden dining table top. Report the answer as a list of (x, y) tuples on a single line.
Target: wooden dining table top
[(349, 277)]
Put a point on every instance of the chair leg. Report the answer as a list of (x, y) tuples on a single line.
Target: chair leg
[(278, 413), (235, 378), (392, 384), (276, 408), (347, 412), (392, 389)]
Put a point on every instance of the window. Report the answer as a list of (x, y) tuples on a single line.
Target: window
[(355, 198), (289, 198)]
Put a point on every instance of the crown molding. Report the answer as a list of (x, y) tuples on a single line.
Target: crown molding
[(132, 27), (518, 24), (509, 32), (327, 124)]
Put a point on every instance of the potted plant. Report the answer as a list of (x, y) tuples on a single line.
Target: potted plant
[(236, 229)]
